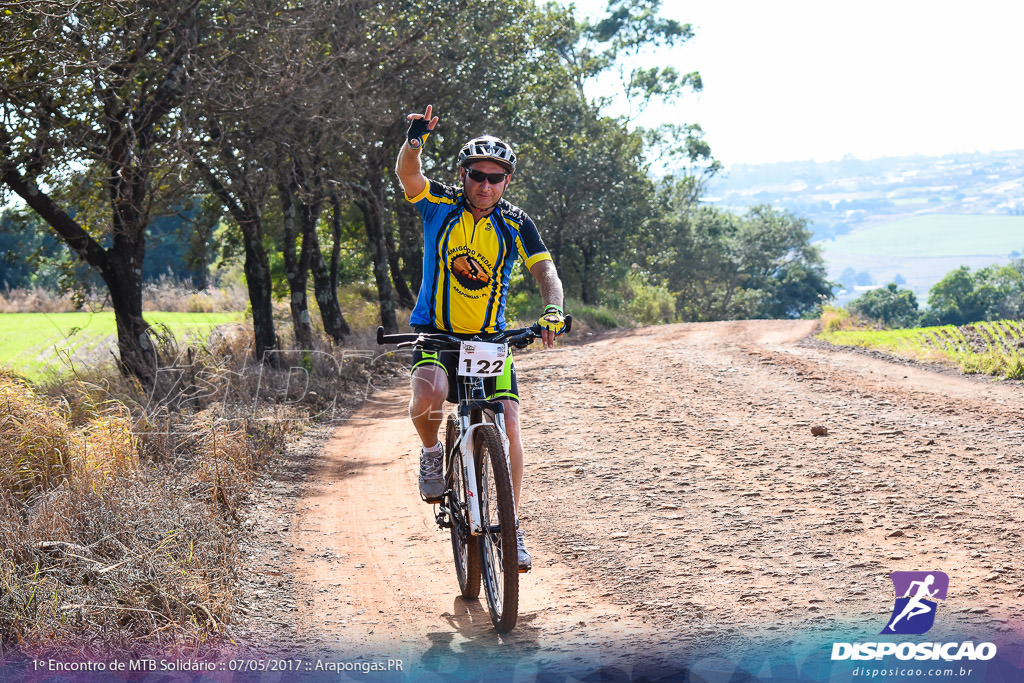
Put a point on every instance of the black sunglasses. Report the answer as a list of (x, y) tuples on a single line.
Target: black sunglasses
[(492, 178)]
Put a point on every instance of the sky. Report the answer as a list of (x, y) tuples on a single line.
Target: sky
[(788, 80)]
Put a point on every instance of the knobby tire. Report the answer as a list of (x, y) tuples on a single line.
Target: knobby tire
[(498, 547), (465, 548)]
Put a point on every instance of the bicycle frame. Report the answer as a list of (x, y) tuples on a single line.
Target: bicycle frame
[(471, 395), (467, 449)]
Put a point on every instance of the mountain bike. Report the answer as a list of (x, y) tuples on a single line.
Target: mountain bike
[(478, 507)]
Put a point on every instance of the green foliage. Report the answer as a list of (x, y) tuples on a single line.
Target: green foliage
[(723, 266), (599, 317), (177, 242), (889, 305), (963, 296), (628, 28), (34, 258), (29, 252), (647, 303), (289, 102)]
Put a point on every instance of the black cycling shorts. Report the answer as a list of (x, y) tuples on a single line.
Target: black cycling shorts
[(502, 387)]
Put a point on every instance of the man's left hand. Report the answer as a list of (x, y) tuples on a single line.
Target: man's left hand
[(552, 323)]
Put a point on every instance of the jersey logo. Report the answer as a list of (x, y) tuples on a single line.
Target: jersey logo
[(469, 273)]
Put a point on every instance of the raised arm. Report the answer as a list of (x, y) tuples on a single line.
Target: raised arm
[(546, 275), (408, 166)]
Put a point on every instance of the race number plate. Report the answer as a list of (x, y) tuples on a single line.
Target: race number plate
[(482, 359)]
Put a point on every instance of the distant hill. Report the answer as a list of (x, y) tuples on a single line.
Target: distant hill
[(909, 219)]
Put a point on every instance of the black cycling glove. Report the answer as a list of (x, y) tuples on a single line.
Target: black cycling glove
[(418, 133)]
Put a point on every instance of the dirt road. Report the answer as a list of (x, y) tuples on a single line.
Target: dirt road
[(676, 501)]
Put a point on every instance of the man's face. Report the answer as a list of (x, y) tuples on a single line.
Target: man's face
[(483, 194)]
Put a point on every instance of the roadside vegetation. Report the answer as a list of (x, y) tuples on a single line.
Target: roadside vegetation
[(974, 322), (119, 504)]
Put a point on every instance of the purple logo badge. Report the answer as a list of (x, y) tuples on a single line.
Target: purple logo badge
[(916, 595)]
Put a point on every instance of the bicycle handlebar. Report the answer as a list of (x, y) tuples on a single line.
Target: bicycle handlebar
[(519, 338)]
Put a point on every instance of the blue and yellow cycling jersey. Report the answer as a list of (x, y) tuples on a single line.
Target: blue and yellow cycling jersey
[(467, 265)]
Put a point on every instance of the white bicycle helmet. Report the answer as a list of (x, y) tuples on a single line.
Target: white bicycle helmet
[(489, 148)]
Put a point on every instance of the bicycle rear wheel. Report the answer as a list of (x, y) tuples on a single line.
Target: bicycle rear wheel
[(465, 548), (498, 547)]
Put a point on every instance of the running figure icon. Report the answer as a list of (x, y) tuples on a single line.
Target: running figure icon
[(914, 612), (915, 606)]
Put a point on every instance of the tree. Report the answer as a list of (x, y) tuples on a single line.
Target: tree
[(583, 175), (26, 247), (889, 305), (456, 70), (232, 128), (990, 293), (94, 84), (777, 257), (723, 266)]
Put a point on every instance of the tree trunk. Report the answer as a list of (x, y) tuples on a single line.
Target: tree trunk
[(256, 267), (410, 242), (204, 220), (370, 208), (405, 297), (260, 285), (296, 267), (587, 286), (135, 345), (336, 237), (325, 291)]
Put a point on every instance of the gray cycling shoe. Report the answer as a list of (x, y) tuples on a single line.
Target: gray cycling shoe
[(431, 478), (525, 561)]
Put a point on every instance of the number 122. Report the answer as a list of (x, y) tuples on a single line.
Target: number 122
[(485, 366)]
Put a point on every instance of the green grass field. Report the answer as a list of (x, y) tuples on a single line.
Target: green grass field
[(36, 344), (990, 348), (923, 248), (934, 236)]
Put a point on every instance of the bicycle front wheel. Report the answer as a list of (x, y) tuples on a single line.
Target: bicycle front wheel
[(498, 547), (465, 548)]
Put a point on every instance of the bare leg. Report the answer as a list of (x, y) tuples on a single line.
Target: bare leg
[(515, 447), (426, 408)]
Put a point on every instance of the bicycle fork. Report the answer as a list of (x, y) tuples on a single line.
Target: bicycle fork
[(469, 469)]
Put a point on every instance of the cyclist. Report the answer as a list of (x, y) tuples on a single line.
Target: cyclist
[(472, 238)]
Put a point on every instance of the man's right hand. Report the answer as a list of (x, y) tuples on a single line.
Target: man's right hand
[(420, 127)]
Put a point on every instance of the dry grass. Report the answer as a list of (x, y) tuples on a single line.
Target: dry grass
[(95, 545), (834, 318), (120, 560), (118, 506), (44, 301), (169, 295), (165, 294), (36, 443)]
